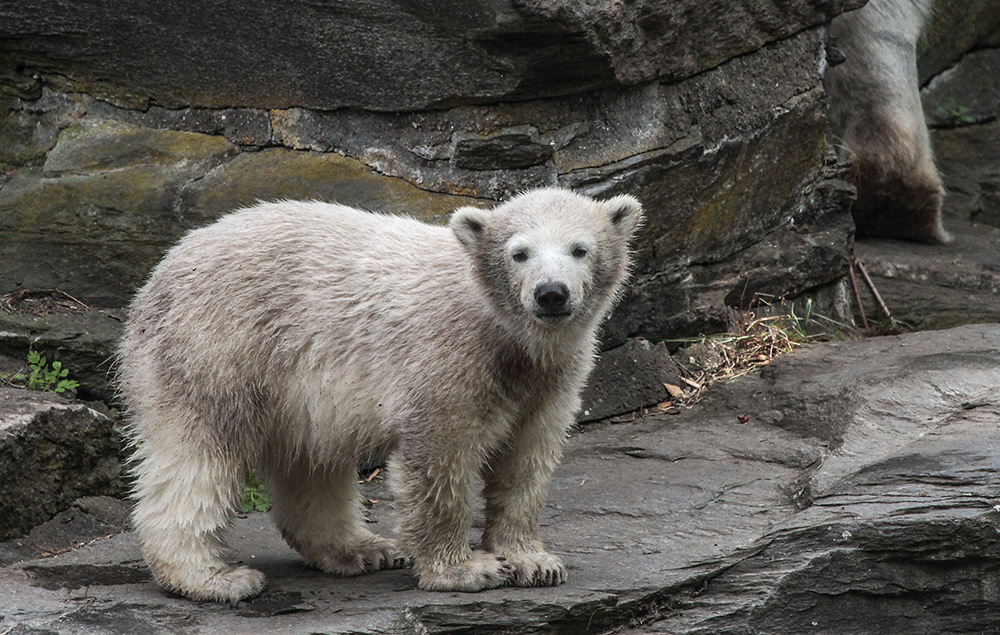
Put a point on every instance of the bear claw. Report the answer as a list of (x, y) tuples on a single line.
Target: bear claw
[(537, 569)]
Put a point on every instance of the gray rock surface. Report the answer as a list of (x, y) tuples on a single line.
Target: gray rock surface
[(936, 287), (969, 158), (965, 93), (111, 150), (87, 519), (731, 164), (385, 56), (52, 451), (857, 493)]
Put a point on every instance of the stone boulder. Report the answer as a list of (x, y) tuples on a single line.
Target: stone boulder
[(52, 451), (849, 487), (627, 378)]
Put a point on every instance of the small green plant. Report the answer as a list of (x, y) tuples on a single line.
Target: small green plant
[(42, 376), (255, 495), (956, 115)]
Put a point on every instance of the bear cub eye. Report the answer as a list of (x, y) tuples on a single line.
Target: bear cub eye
[(579, 252), (520, 255)]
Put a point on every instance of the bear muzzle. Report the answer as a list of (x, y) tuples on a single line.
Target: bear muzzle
[(552, 302)]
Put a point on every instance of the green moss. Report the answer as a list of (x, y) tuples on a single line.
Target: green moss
[(113, 197), (110, 145), (94, 235), (278, 173)]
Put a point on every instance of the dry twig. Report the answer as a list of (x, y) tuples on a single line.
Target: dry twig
[(41, 302)]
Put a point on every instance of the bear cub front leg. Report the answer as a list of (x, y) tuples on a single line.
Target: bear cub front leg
[(434, 524), (516, 483), (538, 568)]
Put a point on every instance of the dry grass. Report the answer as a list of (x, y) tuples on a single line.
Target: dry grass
[(753, 341), (755, 338)]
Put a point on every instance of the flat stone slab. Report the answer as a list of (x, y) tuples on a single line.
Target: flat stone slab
[(936, 286), (848, 487)]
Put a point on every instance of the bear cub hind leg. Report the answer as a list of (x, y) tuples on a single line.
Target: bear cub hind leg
[(184, 504), (318, 511)]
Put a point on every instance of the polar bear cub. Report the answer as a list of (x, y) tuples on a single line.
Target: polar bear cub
[(301, 338)]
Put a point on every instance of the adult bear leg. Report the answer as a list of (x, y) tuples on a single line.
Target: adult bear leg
[(877, 116)]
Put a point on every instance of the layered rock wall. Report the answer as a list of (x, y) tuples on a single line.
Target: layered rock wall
[(127, 124)]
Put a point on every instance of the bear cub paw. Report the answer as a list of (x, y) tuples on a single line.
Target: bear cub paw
[(537, 569), (370, 555), (481, 571), (229, 584)]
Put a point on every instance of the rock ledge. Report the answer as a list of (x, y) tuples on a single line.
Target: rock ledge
[(858, 492)]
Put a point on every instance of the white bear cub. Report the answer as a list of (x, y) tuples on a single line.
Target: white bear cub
[(302, 338)]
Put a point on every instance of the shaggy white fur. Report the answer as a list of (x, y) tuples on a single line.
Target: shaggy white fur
[(302, 338)]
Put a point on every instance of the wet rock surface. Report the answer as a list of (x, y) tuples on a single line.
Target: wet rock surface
[(856, 493), (935, 287)]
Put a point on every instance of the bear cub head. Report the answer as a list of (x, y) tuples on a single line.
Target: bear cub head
[(551, 257)]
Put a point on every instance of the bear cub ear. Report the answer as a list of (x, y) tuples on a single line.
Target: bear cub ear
[(469, 224), (624, 212)]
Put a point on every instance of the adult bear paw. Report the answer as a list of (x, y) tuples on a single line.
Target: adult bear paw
[(537, 569), (481, 571)]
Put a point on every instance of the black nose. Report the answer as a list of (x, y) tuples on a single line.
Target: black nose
[(552, 297)]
